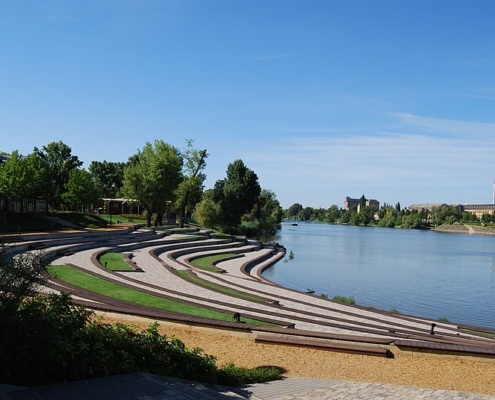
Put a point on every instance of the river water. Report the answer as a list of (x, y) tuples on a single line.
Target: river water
[(422, 273)]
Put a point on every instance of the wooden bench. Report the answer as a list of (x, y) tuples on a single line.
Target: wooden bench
[(64, 252), (11, 239), (322, 345), (37, 246), (448, 348)]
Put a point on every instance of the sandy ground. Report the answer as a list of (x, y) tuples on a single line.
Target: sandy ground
[(436, 372)]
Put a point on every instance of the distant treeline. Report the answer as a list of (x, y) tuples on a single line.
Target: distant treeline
[(386, 216)]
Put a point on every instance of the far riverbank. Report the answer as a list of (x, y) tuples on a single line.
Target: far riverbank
[(466, 229)]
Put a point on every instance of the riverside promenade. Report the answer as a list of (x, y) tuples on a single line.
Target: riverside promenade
[(157, 258)]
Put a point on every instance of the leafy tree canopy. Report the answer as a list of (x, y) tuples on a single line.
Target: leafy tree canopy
[(152, 178), (57, 161), (236, 194)]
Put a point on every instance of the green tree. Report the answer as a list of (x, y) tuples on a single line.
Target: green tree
[(486, 218), (319, 214), (152, 178), (81, 190), (20, 177), (109, 177), (190, 189), (334, 213), (264, 217), (469, 217), (236, 194), (366, 216), (207, 211), (306, 213), (57, 161), (362, 201), (346, 216), (446, 214), (294, 211), (412, 221)]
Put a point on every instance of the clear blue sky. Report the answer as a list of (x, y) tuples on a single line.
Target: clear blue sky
[(322, 99)]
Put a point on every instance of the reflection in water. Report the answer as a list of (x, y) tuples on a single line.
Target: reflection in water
[(420, 273)]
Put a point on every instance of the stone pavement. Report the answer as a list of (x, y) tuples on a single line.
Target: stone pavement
[(141, 386)]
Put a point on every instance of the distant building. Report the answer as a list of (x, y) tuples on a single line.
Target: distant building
[(479, 209), (121, 206), (24, 205), (425, 206), (350, 203)]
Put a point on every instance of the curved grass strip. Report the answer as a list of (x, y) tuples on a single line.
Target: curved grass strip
[(206, 262), (221, 289), (115, 262), (116, 291)]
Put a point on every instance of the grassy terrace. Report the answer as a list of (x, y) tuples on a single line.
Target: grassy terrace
[(116, 291), (115, 262), (206, 262)]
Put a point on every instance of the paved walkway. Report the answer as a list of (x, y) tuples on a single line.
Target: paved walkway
[(139, 386), (307, 312)]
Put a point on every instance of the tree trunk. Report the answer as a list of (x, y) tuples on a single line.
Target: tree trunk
[(158, 221), (182, 216)]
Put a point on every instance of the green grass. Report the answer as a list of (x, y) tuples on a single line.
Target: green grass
[(219, 288), (101, 286), (115, 262), (19, 223), (22, 223), (478, 332), (91, 221), (124, 218), (344, 300), (206, 262), (218, 235)]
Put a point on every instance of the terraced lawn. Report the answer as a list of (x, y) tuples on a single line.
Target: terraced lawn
[(98, 285), (206, 262)]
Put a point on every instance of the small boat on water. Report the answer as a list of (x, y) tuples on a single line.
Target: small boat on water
[(294, 224)]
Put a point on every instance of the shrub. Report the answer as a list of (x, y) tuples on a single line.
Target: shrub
[(50, 329), (344, 300), (230, 375), (77, 346)]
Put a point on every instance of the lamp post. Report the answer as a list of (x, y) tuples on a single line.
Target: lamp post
[(53, 200), (110, 204), (109, 211)]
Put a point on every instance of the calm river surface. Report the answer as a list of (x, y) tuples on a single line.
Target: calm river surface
[(422, 273)]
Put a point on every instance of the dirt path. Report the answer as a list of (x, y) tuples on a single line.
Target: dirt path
[(447, 372)]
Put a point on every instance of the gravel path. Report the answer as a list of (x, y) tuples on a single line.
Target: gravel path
[(444, 373)]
